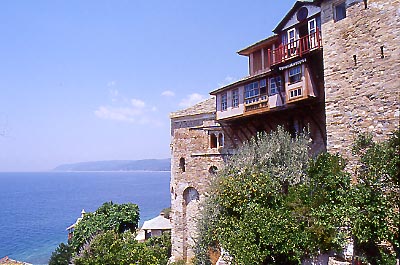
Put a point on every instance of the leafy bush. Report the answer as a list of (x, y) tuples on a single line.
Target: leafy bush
[(375, 200), (62, 255), (110, 216), (113, 249), (271, 205)]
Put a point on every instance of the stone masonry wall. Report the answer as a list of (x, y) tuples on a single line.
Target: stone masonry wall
[(191, 141), (361, 88)]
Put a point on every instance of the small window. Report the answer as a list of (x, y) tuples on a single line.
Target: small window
[(263, 82), (292, 35), (263, 86), (275, 85), (182, 164), (340, 11), (235, 98), (295, 74), (213, 170), (224, 101), (213, 141), (296, 93)]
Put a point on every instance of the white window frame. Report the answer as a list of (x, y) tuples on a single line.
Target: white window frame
[(235, 98), (292, 42), (251, 90), (311, 29), (293, 39), (295, 93), (224, 101), (296, 73), (274, 86), (311, 32)]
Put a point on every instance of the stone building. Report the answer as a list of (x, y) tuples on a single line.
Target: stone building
[(198, 149), (361, 58), (329, 68)]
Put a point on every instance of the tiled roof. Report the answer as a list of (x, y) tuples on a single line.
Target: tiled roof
[(7, 261), (207, 106), (158, 223)]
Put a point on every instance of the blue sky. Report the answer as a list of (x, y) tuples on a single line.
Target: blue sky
[(96, 80)]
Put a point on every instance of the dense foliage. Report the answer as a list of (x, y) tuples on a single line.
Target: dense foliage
[(267, 207), (110, 216), (271, 204), (62, 255), (107, 236), (113, 249), (375, 204)]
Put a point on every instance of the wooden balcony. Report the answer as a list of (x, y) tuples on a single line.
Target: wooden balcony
[(296, 48), (256, 104)]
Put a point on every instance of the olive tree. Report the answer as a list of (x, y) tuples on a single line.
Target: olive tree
[(270, 204)]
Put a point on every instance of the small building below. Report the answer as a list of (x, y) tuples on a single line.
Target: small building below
[(71, 228), (154, 227), (7, 261)]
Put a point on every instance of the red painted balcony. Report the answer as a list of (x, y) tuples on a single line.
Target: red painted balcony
[(296, 48)]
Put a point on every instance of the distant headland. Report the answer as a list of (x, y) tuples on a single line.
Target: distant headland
[(119, 165)]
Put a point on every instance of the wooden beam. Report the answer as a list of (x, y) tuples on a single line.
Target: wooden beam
[(224, 129)]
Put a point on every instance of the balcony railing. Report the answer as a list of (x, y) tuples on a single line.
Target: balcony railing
[(295, 48), (256, 103)]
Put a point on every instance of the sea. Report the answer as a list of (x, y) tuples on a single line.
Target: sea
[(36, 208)]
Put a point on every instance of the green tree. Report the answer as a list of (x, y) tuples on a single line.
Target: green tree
[(110, 216), (376, 198), (114, 249), (271, 206), (62, 255)]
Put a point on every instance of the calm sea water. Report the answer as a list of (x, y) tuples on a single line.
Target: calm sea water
[(36, 208)]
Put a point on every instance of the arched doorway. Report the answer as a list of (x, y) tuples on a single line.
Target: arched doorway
[(190, 207)]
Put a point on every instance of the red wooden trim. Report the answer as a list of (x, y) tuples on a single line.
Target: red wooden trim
[(296, 48)]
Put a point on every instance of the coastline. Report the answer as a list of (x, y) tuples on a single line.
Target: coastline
[(38, 206)]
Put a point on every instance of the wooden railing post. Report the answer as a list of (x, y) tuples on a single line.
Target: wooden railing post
[(300, 46), (269, 58)]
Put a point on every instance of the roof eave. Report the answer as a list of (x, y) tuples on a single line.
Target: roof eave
[(249, 49), (240, 82), (278, 28)]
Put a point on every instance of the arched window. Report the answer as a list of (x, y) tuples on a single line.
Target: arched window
[(220, 140), (213, 170), (182, 164), (190, 194), (213, 141)]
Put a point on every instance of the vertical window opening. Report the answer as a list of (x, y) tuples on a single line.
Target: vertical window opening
[(220, 140), (224, 102), (275, 85), (182, 165), (295, 74), (213, 141), (235, 98), (340, 11)]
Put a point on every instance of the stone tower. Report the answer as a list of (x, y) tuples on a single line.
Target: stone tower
[(198, 150), (361, 59)]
